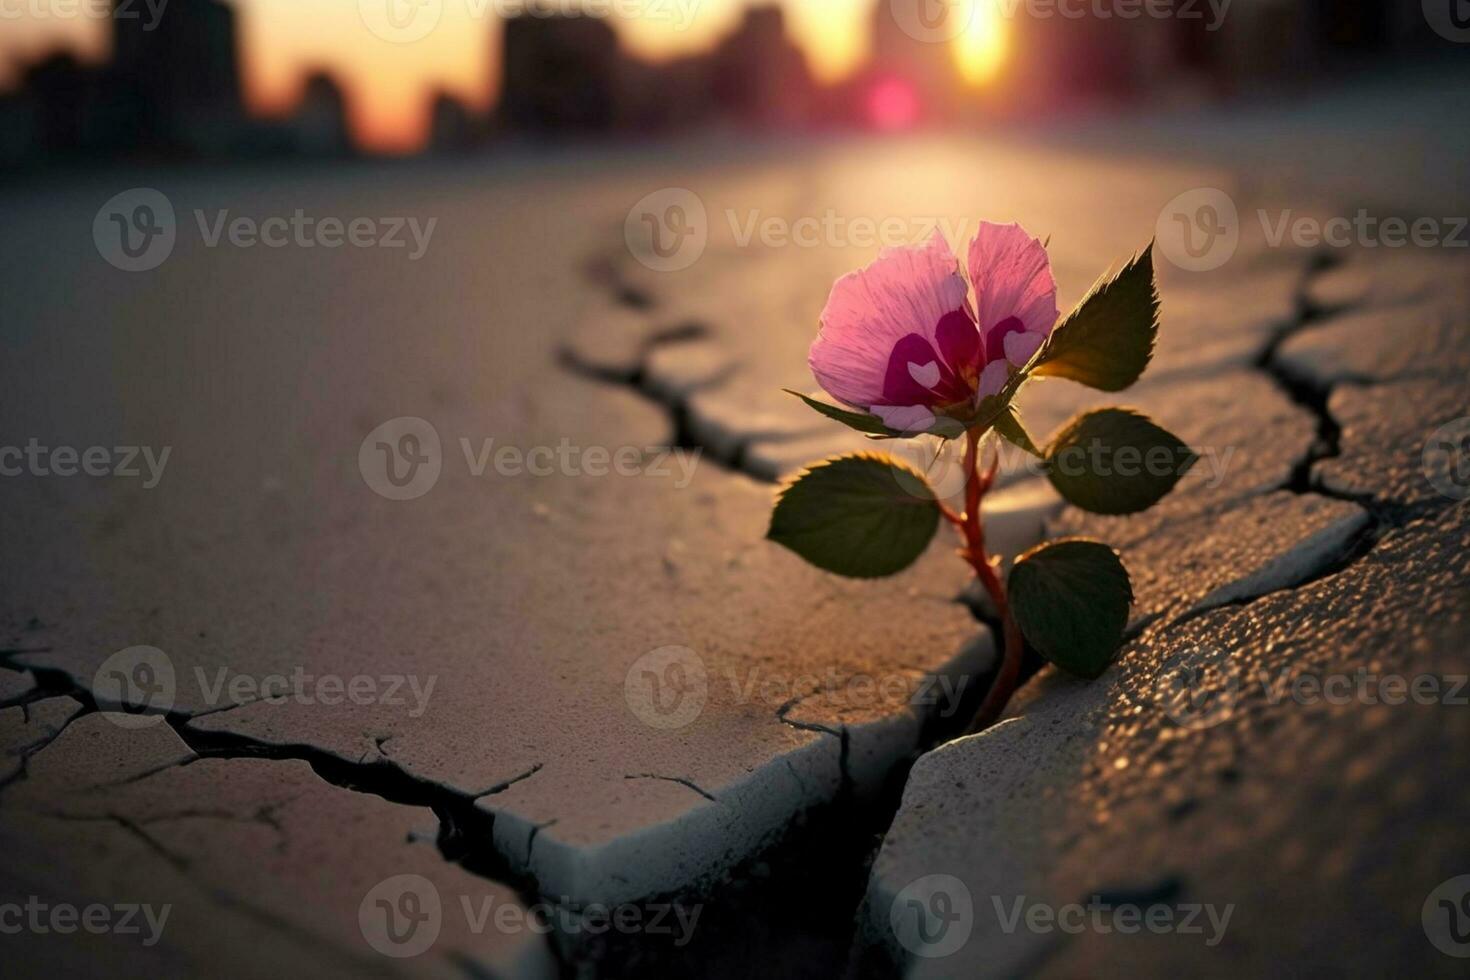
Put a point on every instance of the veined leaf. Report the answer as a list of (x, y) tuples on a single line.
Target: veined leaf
[(1115, 461), (862, 515), (861, 421), (1108, 340), (1008, 424), (1071, 599)]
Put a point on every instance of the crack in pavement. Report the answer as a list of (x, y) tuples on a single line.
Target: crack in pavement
[(466, 832), (676, 404), (682, 781)]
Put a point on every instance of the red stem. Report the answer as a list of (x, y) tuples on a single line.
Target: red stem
[(976, 486)]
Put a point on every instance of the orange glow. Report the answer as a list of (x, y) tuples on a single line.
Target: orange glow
[(388, 84), (980, 50)]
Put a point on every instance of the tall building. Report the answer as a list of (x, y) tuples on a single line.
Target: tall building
[(758, 73), (559, 74), (180, 72), (319, 125)]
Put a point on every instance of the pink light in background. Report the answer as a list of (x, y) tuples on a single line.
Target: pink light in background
[(893, 104)]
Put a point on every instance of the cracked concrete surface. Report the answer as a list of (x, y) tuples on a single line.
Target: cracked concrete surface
[(1218, 764), (530, 600), (264, 870)]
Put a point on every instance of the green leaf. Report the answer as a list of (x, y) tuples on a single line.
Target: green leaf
[(1071, 599), (862, 515), (1010, 428), (1108, 340), (1115, 461), (861, 421)]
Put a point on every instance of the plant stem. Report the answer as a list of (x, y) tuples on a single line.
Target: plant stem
[(976, 486)]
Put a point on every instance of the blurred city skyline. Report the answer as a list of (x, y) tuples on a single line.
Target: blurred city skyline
[(389, 83)]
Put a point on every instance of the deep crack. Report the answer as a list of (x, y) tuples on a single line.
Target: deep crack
[(677, 407)]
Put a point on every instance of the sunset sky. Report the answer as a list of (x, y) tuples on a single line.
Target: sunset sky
[(389, 82)]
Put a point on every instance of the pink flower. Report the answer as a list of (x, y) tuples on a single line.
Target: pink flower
[(900, 338)]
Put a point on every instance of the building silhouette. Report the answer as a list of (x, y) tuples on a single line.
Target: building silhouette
[(759, 75), (559, 74), (179, 75), (319, 125)]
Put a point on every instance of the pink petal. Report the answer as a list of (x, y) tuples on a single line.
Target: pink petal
[(905, 291), (995, 337), (925, 374), (1012, 278), (959, 342), (993, 378), (910, 419), (1020, 347)]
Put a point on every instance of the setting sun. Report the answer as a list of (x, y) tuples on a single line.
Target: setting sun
[(980, 50)]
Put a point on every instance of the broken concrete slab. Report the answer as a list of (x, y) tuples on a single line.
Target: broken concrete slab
[(1217, 766), (26, 728), (15, 685), (1379, 344), (1210, 322), (97, 751), (490, 625), (1383, 278), (227, 859), (1401, 443), (1261, 545)]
